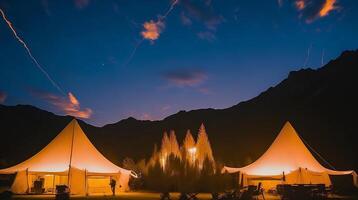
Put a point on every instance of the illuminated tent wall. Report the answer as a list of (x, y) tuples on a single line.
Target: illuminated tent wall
[(287, 161), (69, 154)]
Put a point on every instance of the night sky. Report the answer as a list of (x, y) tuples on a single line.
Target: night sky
[(108, 60)]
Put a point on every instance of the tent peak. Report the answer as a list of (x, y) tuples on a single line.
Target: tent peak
[(287, 125), (286, 154), (74, 120), (70, 147), (288, 129)]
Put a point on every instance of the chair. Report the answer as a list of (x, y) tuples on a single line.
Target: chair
[(257, 191), (62, 192), (319, 192), (249, 193), (165, 196)]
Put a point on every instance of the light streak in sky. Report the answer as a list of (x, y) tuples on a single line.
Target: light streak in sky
[(322, 58), (71, 104), (21, 41), (308, 56), (171, 8), (133, 52)]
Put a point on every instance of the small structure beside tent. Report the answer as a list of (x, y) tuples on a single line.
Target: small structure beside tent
[(287, 161), (69, 159)]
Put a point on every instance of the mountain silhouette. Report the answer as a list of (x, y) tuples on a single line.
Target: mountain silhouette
[(320, 103)]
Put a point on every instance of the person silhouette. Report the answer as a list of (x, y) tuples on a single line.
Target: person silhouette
[(113, 186)]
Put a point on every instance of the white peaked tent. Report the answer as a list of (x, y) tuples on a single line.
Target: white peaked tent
[(287, 161), (69, 154)]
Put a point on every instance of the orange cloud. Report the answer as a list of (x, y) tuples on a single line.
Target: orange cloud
[(73, 99), (84, 114), (311, 10), (328, 6), (300, 5), (152, 30), (69, 105)]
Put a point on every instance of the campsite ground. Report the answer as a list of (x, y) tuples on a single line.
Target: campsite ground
[(139, 196)]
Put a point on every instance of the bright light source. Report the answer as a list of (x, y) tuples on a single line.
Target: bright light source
[(163, 162), (192, 150)]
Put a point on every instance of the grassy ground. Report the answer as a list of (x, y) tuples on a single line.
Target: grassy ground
[(140, 196), (125, 196)]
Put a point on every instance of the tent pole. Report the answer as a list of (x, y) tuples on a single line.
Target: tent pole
[(53, 184), (27, 180), (69, 166), (86, 186), (242, 181), (239, 177)]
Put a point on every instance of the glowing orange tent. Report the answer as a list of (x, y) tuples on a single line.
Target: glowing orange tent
[(287, 161), (69, 159)]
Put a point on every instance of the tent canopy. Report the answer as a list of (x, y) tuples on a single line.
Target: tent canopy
[(69, 148), (286, 154)]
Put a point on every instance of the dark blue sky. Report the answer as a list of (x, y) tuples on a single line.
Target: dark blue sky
[(205, 54)]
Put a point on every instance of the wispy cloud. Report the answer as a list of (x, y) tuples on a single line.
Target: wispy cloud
[(311, 10), (280, 3), (160, 112), (165, 108), (207, 35), (186, 77), (204, 90), (69, 105), (146, 116), (81, 4), (46, 7), (3, 96), (194, 79), (185, 20), (300, 4), (203, 12)]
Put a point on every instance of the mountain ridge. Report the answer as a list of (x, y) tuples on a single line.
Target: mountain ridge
[(318, 102)]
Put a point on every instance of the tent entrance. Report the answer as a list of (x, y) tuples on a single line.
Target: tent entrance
[(267, 184), (99, 184), (45, 183)]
